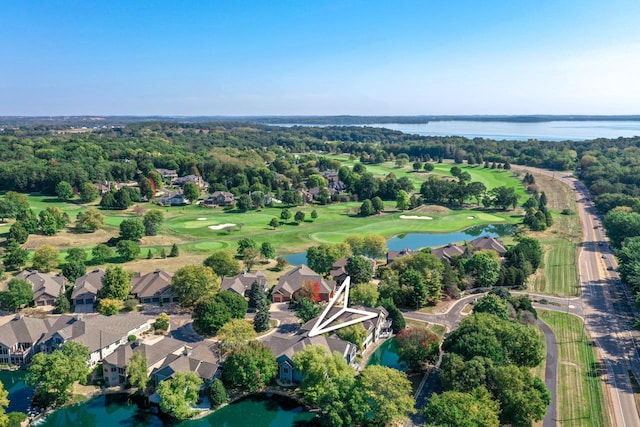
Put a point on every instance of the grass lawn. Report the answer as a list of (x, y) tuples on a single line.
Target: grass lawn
[(580, 392)]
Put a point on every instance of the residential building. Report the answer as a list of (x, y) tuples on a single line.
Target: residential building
[(242, 283), (114, 366), (199, 359), (20, 336), (450, 251), (168, 174), (46, 287), (86, 290), (173, 199), (299, 278), (153, 288), (220, 198), (339, 273), (487, 242), (393, 255), (284, 349), (180, 182)]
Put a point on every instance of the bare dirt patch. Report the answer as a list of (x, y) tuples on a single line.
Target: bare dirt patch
[(431, 209), (164, 240), (66, 239)]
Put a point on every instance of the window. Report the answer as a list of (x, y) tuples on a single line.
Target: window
[(285, 370), (113, 369)]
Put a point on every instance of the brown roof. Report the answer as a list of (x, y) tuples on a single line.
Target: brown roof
[(43, 283), (294, 279), (88, 285), (392, 255), (488, 242), (152, 284), (288, 347), (153, 352), (29, 329), (243, 282), (369, 325), (449, 251)]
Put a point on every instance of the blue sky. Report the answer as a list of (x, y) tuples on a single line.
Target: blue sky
[(144, 57)]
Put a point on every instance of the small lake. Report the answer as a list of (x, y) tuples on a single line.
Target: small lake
[(415, 241), (387, 355), (117, 410), (19, 393)]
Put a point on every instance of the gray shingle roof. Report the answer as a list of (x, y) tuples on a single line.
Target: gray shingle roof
[(88, 285), (152, 284), (43, 283), (294, 280)]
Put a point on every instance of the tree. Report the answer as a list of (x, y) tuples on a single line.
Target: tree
[(193, 282), (64, 191), (621, 225), (403, 200), (174, 252), (15, 257), (234, 333), (314, 214), (179, 393), (76, 255), (306, 309), (395, 315), (101, 253), (275, 223), (250, 257), (428, 167), (152, 220), (484, 268), (52, 220), (18, 294), (109, 306), (251, 366), (191, 191), (209, 315), (387, 394), (261, 320), (4, 403), (504, 197), (244, 203), (366, 208), (364, 294), (116, 283), (285, 214), (223, 264), (299, 216), (523, 398), (131, 229), (257, 296), (88, 192), (45, 258), (128, 249), (137, 371), (217, 393), (377, 204), (62, 304), (18, 233), (456, 409), (246, 243), (267, 250), (53, 374), (321, 258), (320, 369), (146, 189), (355, 334), (236, 304), (492, 304), (162, 322), (417, 347), (360, 269)]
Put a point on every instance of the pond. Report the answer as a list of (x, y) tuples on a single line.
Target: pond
[(19, 393), (415, 241), (260, 411), (387, 355)]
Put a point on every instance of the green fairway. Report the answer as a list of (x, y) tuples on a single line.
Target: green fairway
[(580, 393)]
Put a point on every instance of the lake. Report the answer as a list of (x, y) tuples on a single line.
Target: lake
[(19, 394), (415, 241), (544, 131), (387, 355), (116, 410)]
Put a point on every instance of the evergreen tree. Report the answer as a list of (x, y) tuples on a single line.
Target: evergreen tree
[(174, 251)]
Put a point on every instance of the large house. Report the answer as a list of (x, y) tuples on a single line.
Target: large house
[(219, 198), (450, 251), (199, 359), (153, 288), (302, 277), (180, 182), (393, 255), (86, 290), (488, 243), (173, 199), (169, 174), (114, 366), (241, 284), (284, 349), (339, 273), (22, 337), (46, 287), (378, 327)]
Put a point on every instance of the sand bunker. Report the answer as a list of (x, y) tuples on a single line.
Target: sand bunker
[(414, 217), (221, 226), (202, 219), (471, 217)]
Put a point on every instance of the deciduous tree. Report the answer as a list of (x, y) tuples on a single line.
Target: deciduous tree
[(251, 366), (193, 282), (45, 258), (116, 283), (178, 394), (222, 263), (19, 293)]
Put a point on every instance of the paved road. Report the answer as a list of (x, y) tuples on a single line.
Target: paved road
[(607, 307)]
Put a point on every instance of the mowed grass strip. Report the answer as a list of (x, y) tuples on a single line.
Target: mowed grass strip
[(559, 276), (580, 391)]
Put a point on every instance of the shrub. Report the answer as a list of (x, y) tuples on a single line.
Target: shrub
[(131, 338)]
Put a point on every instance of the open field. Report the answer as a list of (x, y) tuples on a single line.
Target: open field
[(558, 275), (580, 386)]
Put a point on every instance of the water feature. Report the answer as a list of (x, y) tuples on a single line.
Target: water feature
[(415, 241), (19, 393), (387, 355), (116, 409)]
